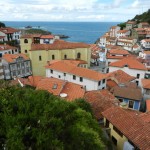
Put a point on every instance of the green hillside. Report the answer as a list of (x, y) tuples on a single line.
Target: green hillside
[(145, 17)]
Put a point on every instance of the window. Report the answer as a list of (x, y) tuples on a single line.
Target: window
[(103, 81), (9, 52), (107, 124), (147, 91), (81, 79), (51, 71), (74, 77), (120, 99), (114, 140), (137, 82), (25, 41), (78, 55), (12, 51), (40, 58), (59, 76), (131, 103), (64, 74), (65, 56), (138, 76), (25, 51), (15, 50), (53, 57), (118, 131), (99, 83)]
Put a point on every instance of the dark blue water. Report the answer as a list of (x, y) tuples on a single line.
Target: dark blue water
[(87, 32)]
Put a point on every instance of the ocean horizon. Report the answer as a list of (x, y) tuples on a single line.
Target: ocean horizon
[(87, 32)]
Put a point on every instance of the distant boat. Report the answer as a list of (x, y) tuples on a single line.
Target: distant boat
[(28, 27)]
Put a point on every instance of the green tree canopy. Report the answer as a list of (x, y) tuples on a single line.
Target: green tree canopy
[(38, 120), (2, 24)]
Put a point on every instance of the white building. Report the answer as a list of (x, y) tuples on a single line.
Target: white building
[(145, 43), (131, 66), (123, 33), (7, 49), (102, 41), (1, 70), (16, 65), (89, 79), (47, 39), (9, 34), (114, 30)]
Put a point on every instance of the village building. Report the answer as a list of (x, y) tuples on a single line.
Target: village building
[(143, 25), (9, 34), (139, 33), (63, 69), (131, 66), (114, 30), (127, 128), (16, 65), (111, 41), (145, 88), (145, 43), (130, 25), (100, 100), (129, 95), (123, 33), (58, 50), (7, 49)]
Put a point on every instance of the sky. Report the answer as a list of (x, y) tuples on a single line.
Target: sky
[(72, 10)]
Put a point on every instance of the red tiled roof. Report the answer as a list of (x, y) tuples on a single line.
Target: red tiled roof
[(148, 105), (31, 36), (63, 66), (120, 76), (95, 47), (110, 84), (147, 52), (11, 57), (131, 22), (146, 40), (8, 30), (122, 31), (118, 52), (58, 45), (100, 100), (131, 125), (127, 91), (146, 83), (47, 36), (131, 62), (6, 47)]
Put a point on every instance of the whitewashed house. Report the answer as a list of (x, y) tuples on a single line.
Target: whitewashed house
[(131, 66), (102, 41), (16, 65), (123, 33), (47, 39), (89, 79), (145, 43), (114, 30), (7, 49)]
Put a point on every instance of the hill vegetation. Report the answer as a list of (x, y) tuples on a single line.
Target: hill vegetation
[(2, 25), (35, 31), (32, 119)]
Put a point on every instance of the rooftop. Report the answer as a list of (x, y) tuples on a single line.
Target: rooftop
[(146, 83)]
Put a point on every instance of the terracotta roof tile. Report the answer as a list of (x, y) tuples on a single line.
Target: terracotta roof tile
[(120, 76), (122, 31), (100, 100), (9, 30), (131, 125), (63, 66), (131, 62), (148, 105), (11, 57), (146, 83), (47, 36), (58, 45), (118, 52)]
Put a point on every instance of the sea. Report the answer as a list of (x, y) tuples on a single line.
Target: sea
[(87, 32)]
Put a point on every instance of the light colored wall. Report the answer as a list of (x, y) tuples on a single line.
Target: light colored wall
[(25, 46), (90, 84)]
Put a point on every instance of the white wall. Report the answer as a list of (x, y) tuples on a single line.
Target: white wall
[(90, 84), (132, 72)]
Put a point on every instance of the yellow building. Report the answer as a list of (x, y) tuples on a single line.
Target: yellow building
[(40, 54)]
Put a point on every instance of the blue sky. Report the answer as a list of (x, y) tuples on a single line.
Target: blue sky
[(71, 10)]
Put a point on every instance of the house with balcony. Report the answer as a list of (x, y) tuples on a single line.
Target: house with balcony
[(89, 79), (123, 33), (129, 95), (16, 65), (128, 129)]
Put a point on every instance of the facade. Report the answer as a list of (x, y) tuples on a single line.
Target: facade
[(131, 100), (145, 43), (130, 24), (1, 70), (10, 34), (114, 30), (128, 129), (89, 79), (7, 49), (16, 65), (123, 33), (59, 50), (139, 33), (47, 39), (143, 25), (146, 88), (111, 41), (131, 66)]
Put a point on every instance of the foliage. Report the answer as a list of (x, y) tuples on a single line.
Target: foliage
[(145, 17), (2, 25), (32, 119), (36, 31), (122, 25)]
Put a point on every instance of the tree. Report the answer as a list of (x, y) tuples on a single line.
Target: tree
[(32, 119), (2, 25)]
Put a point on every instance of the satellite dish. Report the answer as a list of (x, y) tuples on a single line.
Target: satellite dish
[(63, 95)]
